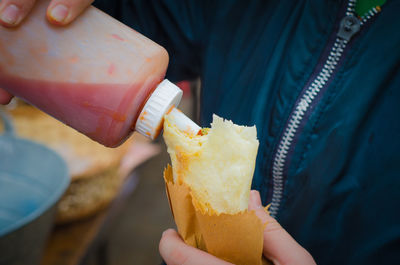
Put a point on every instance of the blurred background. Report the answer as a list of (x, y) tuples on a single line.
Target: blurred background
[(115, 207)]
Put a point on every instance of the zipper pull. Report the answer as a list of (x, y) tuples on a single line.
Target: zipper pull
[(349, 25)]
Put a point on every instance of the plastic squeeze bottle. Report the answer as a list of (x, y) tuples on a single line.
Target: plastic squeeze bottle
[(96, 75)]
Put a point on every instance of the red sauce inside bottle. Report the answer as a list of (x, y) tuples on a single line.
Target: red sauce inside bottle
[(104, 112)]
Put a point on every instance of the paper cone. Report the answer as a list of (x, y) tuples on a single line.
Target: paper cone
[(234, 238)]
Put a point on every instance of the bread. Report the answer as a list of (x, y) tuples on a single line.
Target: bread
[(94, 169), (218, 167), (86, 196), (84, 157)]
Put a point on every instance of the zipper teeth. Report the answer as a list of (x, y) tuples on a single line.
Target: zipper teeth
[(297, 116), (301, 108), (351, 6)]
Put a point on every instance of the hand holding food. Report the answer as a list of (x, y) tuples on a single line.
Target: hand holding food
[(279, 247), (208, 188), (209, 193)]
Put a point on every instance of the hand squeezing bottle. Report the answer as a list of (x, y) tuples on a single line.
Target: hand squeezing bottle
[(96, 75)]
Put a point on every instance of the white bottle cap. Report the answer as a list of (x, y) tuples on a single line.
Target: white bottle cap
[(165, 96)]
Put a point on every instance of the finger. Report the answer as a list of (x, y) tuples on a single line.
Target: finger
[(5, 97), (63, 12), (175, 252), (12, 12), (279, 246), (256, 205)]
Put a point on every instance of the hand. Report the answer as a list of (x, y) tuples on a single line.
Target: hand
[(59, 12), (175, 252), (279, 246)]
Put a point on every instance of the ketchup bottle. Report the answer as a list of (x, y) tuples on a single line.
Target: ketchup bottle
[(96, 75)]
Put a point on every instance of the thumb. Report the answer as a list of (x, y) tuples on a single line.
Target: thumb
[(279, 246), (174, 251)]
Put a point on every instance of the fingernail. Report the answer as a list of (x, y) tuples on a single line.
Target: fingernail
[(255, 199), (10, 14), (59, 13), (254, 196)]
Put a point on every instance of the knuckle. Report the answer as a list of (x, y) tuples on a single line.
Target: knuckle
[(272, 226), (171, 252), (178, 255)]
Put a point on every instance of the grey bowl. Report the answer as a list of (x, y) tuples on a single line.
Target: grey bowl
[(32, 180)]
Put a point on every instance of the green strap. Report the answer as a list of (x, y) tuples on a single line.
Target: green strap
[(363, 6)]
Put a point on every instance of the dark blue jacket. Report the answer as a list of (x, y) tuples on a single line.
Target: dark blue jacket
[(337, 191)]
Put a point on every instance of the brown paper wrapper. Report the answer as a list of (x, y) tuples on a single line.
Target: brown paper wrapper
[(234, 238)]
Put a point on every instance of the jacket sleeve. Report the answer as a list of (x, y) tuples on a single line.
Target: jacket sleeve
[(179, 26)]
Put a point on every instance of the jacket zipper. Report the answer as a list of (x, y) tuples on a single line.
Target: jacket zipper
[(349, 26)]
